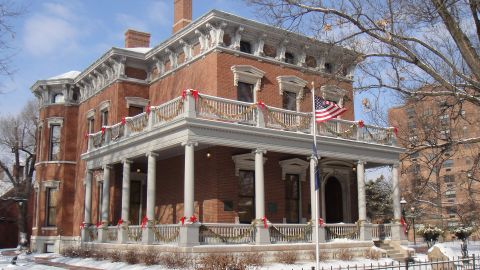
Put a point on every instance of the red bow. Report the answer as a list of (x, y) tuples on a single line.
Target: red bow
[(82, 225), (182, 220), (193, 219), (144, 222), (261, 104), (404, 225), (264, 219), (103, 130), (99, 223), (192, 91), (361, 124), (395, 130), (120, 222), (124, 120), (321, 222), (148, 109)]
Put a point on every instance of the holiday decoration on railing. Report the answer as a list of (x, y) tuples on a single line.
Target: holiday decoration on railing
[(182, 219), (144, 222), (395, 131), (264, 220), (261, 104), (344, 134), (321, 223), (203, 103), (351, 234), (134, 235), (148, 109), (116, 132), (166, 118), (205, 231), (166, 239), (304, 121), (193, 219), (193, 92), (124, 120), (361, 124), (103, 131), (304, 234), (137, 123), (98, 224), (82, 225), (119, 223)]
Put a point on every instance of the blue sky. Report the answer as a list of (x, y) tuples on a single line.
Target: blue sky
[(55, 36)]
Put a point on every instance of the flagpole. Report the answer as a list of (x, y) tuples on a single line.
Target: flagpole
[(314, 133)]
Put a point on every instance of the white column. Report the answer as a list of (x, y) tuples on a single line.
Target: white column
[(259, 184), (106, 194), (87, 218), (397, 211), (151, 184), (362, 204), (189, 185), (126, 191)]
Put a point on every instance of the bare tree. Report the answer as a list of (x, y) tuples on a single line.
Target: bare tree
[(409, 51), (17, 159)]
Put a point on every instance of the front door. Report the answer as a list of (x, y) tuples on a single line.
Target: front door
[(135, 202), (333, 201), (246, 200)]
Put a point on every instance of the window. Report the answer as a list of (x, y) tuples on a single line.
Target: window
[(50, 207), (328, 68), (245, 92), (450, 194), (289, 58), (289, 100), (136, 202), (58, 98), (245, 47), (292, 198), (449, 178), (246, 202), (104, 118), (91, 125), (54, 147), (134, 110), (249, 75), (448, 163)]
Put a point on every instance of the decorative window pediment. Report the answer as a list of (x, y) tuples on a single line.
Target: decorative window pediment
[(136, 101), (50, 184), (294, 166), (333, 93), (90, 113), (291, 84), (55, 121), (248, 74), (245, 162), (104, 105)]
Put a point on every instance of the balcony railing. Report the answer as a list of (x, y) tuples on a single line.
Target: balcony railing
[(193, 105), (342, 231)]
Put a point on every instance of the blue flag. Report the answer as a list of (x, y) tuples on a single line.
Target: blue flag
[(317, 172)]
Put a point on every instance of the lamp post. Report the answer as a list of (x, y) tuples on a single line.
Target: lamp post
[(413, 224), (403, 203)]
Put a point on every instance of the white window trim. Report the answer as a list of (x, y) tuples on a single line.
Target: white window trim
[(248, 74), (55, 121), (104, 106), (245, 162), (55, 184), (334, 93), (292, 84), (90, 114), (294, 166), (136, 101)]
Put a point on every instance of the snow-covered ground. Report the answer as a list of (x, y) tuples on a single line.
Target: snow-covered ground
[(453, 249)]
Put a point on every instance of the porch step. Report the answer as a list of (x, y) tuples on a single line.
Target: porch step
[(392, 253)]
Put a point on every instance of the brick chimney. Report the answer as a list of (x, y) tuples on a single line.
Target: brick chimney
[(135, 39), (182, 14)]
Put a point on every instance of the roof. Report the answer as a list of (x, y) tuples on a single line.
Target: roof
[(138, 49), (67, 75)]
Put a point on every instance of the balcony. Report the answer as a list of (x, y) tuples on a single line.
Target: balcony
[(193, 105)]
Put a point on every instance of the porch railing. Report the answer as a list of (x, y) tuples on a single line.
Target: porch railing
[(290, 233), (134, 234), (233, 111), (342, 231), (220, 233), (381, 231), (92, 233), (112, 234), (166, 233)]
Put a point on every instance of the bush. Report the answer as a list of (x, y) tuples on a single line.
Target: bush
[(150, 257), (323, 256), (372, 254), (218, 262), (251, 260), (71, 251), (85, 252), (462, 233), (344, 254), (430, 234), (174, 260), (286, 257), (99, 255), (131, 257), (115, 256)]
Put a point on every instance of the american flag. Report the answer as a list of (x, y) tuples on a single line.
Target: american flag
[(326, 110)]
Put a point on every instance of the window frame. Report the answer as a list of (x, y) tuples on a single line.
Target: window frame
[(48, 206), (52, 143)]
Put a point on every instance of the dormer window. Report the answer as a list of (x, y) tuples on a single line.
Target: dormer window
[(245, 47), (58, 98), (289, 58)]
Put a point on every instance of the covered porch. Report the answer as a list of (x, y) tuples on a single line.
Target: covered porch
[(252, 157)]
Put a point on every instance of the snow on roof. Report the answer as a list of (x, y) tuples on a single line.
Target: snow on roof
[(67, 75), (138, 49)]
